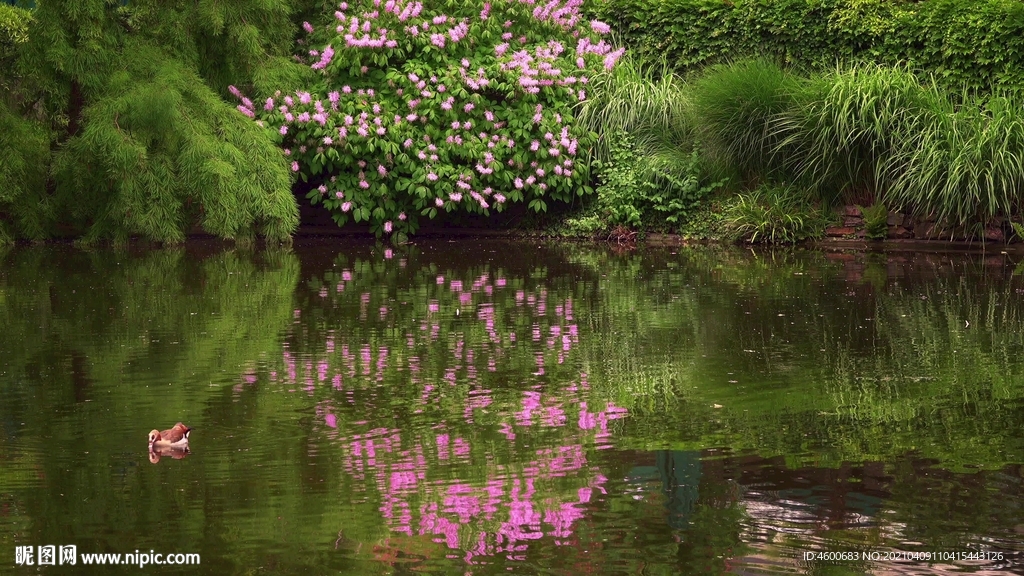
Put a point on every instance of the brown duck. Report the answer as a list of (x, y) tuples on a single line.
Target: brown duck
[(175, 437)]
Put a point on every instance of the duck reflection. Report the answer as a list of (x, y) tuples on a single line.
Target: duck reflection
[(155, 454)]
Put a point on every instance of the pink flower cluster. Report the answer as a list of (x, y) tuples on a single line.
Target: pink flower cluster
[(325, 58), (602, 48), (564, 14)]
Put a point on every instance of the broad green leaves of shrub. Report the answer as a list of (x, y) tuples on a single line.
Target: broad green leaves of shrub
[(635, 192)]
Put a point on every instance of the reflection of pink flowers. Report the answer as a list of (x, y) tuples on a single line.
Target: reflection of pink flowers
[(440, 483), (522, 509)]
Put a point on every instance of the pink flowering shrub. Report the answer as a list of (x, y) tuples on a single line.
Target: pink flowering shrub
[(464, 105)]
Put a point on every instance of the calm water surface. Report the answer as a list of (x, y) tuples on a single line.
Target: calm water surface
[(481, 408)]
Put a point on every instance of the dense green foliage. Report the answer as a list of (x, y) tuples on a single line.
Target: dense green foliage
[(866, 132), (397, 112), (856, 101), (651, 172), (420, 109), (23, 144), (633, 193), (735, 111), (143, 142), (876, 225), (24, 147), (13, 29), (977, 45)]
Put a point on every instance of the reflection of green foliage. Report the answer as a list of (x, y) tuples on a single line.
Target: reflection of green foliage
[(816, 364), (99, 347), (117, 344), (209, 313), (716, 528), (779, 353)]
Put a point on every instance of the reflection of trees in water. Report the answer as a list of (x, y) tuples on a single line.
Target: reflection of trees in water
[(870, 505), (658, 335), (98, 346), (96, 318), (680, 478), (679, 473), (860, 356)]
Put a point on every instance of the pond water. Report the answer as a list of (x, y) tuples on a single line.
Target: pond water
[(478, 407)]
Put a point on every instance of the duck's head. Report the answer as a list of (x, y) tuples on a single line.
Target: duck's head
[(184, 429), (154, 435)]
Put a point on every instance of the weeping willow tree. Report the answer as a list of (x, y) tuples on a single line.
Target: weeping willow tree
[(142, 140)]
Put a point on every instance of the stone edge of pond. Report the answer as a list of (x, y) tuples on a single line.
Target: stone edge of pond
[(652, 240), (675, 240)]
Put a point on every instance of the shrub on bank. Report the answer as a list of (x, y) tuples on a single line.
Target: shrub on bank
[(23, 143), (112, 125), (426, 108), (736, 110), (650, 166), (13, 28), (24, 148)]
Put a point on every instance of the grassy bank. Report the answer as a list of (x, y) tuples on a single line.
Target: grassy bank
[(766, 154)]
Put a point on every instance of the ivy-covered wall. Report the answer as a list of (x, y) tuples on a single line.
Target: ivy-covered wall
[(973, 44)]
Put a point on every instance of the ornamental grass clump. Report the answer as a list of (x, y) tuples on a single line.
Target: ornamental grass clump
[(849, 129), (965, 166), (773, 214), (454, 106), (651, 171), (736, 109)]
